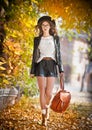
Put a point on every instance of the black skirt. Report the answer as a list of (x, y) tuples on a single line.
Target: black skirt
[(46, 68)]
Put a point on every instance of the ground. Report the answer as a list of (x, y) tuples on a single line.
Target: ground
[(26, 115)]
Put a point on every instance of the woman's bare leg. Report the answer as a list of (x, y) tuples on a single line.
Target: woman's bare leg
[(49, 88), (46, 85), (42, 86)]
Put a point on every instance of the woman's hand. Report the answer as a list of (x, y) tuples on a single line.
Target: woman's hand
[(31, 75), (62, 75)]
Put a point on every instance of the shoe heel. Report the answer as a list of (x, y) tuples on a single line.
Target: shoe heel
[(44, 120)]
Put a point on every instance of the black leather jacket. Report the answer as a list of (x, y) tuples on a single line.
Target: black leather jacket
[(36, 54)]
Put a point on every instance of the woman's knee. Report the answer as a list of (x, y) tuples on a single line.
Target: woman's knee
[(48, 94)]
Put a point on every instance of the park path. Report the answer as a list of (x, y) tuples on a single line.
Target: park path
[(26, 115)]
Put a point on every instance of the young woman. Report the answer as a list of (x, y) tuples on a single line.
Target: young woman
[(46, 58)]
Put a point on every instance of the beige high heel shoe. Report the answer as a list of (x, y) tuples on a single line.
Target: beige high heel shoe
[(48, 112), (44, 120), (44, 117)]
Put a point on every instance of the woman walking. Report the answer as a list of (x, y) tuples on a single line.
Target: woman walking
[(46, 62)]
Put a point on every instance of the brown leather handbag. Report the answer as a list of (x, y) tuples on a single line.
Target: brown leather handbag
[(61, 100)]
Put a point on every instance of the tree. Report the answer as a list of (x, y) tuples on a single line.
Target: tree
[(74, 14), (19, 19)]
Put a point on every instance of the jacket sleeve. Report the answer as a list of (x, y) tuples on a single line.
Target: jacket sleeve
[(33, 65), (60, 64)]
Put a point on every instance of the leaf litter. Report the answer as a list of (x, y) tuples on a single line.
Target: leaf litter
[(26, 115)]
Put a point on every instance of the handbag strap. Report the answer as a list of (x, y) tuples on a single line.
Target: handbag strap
[(62, 83)]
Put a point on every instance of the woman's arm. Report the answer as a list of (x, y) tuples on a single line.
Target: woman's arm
[(32, 70), (59, 58)]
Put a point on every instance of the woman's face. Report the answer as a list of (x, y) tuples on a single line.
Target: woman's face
[(45, 27)]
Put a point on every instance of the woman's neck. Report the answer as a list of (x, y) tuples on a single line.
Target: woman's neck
[(46, 35)]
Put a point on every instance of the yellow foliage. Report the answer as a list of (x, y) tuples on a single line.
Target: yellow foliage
[(26, 115), (5, 81), (16, 70), (19, 41), (1, 63), (2, 75), (2, 68), (14, 47), (74, 14), (35, 1)]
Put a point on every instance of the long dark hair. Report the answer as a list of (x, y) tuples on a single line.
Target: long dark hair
[(52, 30)]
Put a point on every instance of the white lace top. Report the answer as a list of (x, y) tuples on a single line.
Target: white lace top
[(47, 48)]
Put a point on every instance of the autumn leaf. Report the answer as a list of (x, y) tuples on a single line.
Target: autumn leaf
[(26, 114)]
